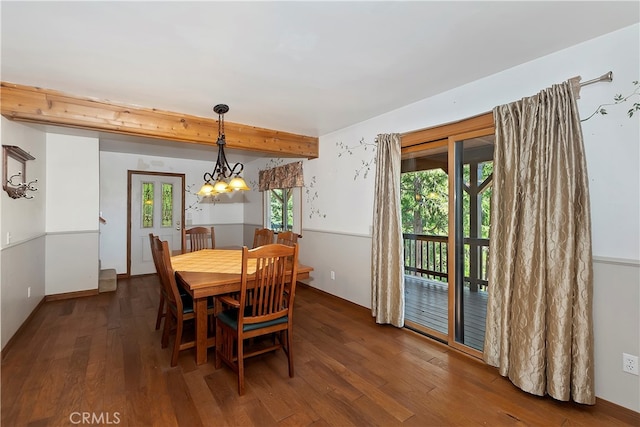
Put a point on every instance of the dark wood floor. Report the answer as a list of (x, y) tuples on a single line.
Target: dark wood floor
[(427, 304), (101, 356)]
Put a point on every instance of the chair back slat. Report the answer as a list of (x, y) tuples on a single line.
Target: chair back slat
[(199, 238), (262, 236), (288, 238)]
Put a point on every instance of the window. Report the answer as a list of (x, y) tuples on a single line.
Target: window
[(147, 204), (282, 208), (167, 205), (281, 187)]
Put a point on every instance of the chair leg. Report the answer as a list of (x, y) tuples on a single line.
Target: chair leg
[(176, 345), (218, 361), (161, 313), (240, 366), (289, 350), (211, 324), (168, 320)]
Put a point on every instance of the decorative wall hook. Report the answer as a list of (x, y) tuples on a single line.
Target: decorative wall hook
[(16, 158), (19, 189)]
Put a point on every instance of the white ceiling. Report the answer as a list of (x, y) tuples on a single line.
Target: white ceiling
[(303, 67)]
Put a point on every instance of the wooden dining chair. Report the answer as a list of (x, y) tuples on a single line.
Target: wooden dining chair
[(262, 308), (199, 238), (161, 310), (179, 307), (288, 238), (161, 306), (262, 236)]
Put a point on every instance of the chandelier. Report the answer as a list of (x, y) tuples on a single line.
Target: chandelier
[(225, 178)]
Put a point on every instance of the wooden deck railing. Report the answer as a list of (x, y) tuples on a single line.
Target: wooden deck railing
[(476, 251), (426, 256)]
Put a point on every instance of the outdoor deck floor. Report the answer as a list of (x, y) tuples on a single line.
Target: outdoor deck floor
[(426, 303)]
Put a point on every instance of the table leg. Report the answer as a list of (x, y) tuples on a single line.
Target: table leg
[(201, 330)]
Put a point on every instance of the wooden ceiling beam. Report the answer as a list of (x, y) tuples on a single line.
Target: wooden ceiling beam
[(45, 106)]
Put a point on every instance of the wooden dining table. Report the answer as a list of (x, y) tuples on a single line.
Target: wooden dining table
[(211, 272)]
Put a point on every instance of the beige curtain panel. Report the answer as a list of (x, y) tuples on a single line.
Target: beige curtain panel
[(387, 272), (285, 176), (539, 329)]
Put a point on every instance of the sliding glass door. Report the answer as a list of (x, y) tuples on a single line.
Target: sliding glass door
[(446, 193)]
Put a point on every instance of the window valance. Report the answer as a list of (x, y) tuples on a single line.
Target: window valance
[(285, 176)]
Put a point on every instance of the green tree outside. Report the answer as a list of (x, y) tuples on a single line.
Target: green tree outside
[(282, 209)]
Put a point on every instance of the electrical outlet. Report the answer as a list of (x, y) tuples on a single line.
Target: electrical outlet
[(630, 363), (333, 275), (8, 238), (29, 292)]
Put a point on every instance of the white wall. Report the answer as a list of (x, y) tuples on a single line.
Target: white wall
[(338, 208), (225, 212), (25, 218), (22, 259), (23, 267), (72, 213), (253, 213), (616, 319), (72, 178)]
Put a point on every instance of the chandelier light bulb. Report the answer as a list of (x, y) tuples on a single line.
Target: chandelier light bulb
[(237, 183), (221, 187), (206, 189)]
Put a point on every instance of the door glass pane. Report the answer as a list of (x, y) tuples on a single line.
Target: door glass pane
[(474, 173), (424, 199), (147, 205), (167, 205)]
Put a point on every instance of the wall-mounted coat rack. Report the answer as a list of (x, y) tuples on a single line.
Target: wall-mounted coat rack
[(14, 162)]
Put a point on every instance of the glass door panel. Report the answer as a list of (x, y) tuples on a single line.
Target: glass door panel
[(472, 194), (425, 218)]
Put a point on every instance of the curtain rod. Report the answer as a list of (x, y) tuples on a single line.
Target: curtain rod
[(607, 77)]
